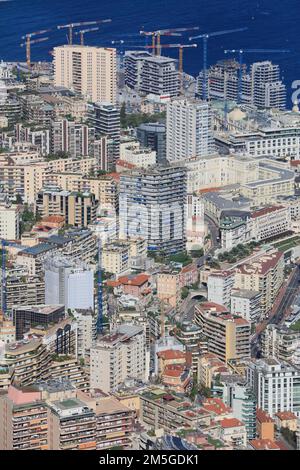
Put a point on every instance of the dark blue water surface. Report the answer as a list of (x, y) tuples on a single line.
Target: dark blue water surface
[(271, 24)]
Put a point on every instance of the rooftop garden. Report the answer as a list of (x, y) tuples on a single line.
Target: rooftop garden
[(238, 252), (288, 244), (61, 357), (295, 326), (135, 119)]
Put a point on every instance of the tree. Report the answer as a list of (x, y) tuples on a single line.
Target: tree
[(123, 115), (197, 253), (289, 436), (19, 199), (204, 391), (184, 293), (181, 257)]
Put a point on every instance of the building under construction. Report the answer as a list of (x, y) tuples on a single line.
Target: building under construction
[(148, 74)]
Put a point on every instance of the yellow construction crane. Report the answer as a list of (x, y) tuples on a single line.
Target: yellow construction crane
[(180, 60), (71, 26), (82, 32), (29, 42)]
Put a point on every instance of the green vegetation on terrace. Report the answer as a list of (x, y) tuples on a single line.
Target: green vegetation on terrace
[(295, 326), (134, 120), (238, 252), (214, 442), (61, 358), (197, 253), (286, 245), (182, 258), (28, 219)]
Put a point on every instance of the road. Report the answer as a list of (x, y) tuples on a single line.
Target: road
[(287, 298), (214, 233), (188, 314), (187, 308), (284, 304)]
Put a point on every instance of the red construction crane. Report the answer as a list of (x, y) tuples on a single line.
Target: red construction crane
[(70, 26), (82, 33), (28, 43), (180, 61), (156, 35)]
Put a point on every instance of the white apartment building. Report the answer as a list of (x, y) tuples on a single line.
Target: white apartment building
[(278, 141), (117, 356), (262, 224), (261, 85), (189, 129), (264, 274), (9, 219), (152, 206), (90, 71), (73, 138), (195, 227), (116, 257), (246, 304), (68, 282), (151, 74), (133, 153), (282, 343), (219, 286), (36, 135), (86, 330), (270, 222), (268, 91), (235, 229), (215, 170), (276, 385)]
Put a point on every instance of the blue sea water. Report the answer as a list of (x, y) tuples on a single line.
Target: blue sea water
[(271, 24)]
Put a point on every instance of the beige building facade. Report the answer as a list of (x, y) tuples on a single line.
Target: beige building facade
[(90, 71)]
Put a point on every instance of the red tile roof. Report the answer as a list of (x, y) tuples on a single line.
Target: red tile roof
[(263, 416), (169, 354), (265, 210), (188, 268), (285, 415), (264, 444), (115, 176), (53, 219), (216, 405), (212, 306), (125, 164), (231, 423), (173, 370), (138, 280), (261, 265)]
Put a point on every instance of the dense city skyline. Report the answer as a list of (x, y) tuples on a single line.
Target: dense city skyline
[(149, 240)]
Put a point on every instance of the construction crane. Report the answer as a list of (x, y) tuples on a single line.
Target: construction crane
[(82, 32), (71, 26), (29, 42), (180, 60), (121, 45), (156, 36), (241, 53), (205, 37)]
